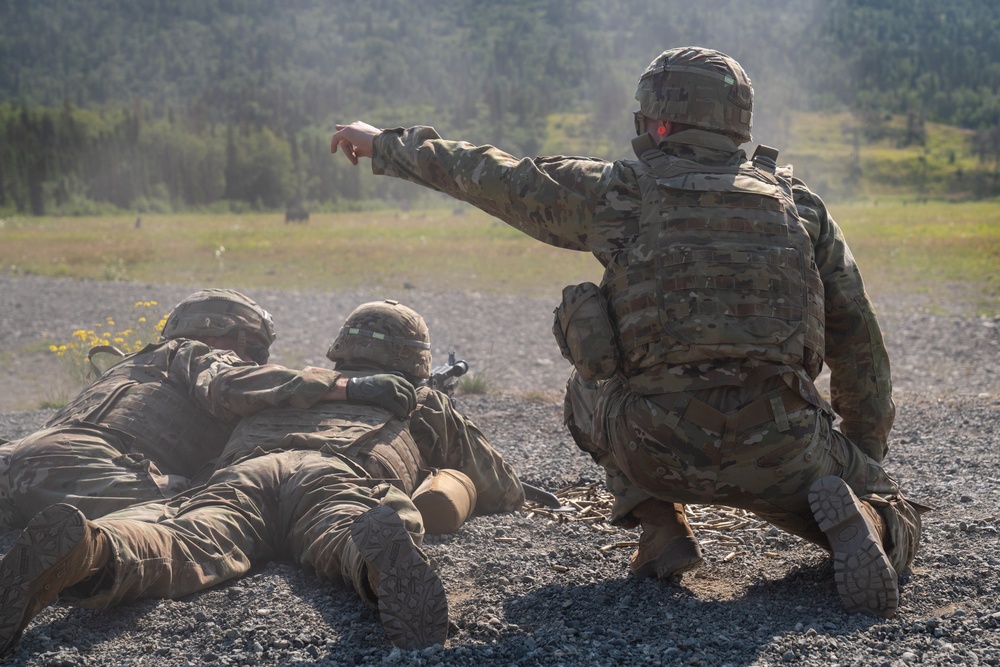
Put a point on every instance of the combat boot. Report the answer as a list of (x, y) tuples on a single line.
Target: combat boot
[(667, 546), (411, 599), (866, 580), (57, 549)]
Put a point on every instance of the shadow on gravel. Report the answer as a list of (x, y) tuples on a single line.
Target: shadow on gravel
[(670, 621)]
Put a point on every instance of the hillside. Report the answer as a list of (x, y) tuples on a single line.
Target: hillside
[(109, 105)]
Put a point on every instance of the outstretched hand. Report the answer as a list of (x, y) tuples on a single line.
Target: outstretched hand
[(355, 140), (387, 391)]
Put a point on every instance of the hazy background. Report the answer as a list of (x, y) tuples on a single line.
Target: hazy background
[(175, 105)]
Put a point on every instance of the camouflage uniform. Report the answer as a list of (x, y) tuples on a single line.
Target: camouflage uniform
[(292, 484), (144, 429), (735, 426)]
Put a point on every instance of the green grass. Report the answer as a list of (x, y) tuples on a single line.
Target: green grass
[(476, 383), (429, 249), (928, 248), (823, 151)]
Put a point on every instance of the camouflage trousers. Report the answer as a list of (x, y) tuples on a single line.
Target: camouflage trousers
[(296, 506), (757, 448), (84, 465)]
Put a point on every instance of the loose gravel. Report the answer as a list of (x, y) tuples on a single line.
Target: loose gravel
[(537, 588)]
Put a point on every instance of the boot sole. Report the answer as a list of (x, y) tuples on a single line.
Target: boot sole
[(865, 578), (47, 541), (412, 604), (682, 554)]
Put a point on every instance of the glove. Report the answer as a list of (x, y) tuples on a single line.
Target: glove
[(387, 391)]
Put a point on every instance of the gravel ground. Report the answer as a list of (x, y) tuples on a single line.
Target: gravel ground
[(532, 589)]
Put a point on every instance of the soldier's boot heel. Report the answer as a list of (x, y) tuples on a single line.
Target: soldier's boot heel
[(412, 604), (53, 551), (866, 580), (667, 545)]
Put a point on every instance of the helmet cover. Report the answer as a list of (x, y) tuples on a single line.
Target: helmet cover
[(699, 87), (386, 334), (221, 312)]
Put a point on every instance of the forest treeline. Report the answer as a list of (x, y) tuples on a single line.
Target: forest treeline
[(184, 104)]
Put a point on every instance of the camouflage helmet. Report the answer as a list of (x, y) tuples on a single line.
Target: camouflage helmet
[(386, 334), (221, 312), (699, 87)]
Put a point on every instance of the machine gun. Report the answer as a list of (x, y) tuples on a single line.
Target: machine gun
[(445, 378)]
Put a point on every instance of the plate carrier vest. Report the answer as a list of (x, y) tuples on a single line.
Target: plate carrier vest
[(166, 425), (722, 268)]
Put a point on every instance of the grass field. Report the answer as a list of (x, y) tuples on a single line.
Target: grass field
[(915, 247), (826, 148), (435, 250), (927, 248)]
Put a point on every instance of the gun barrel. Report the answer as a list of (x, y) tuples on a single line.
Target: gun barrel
[(457, 369)]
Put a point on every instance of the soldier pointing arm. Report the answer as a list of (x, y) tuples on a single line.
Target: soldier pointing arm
[(727, 286)]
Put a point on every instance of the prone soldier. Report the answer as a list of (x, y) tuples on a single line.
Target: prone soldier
[(327, 487), (152, 421)]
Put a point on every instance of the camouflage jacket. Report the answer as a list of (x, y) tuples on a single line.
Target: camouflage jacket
[(436, 435), (449, 439), (586, 204), (180, 399)]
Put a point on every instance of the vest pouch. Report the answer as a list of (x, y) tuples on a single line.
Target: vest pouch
[(585, 333)]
